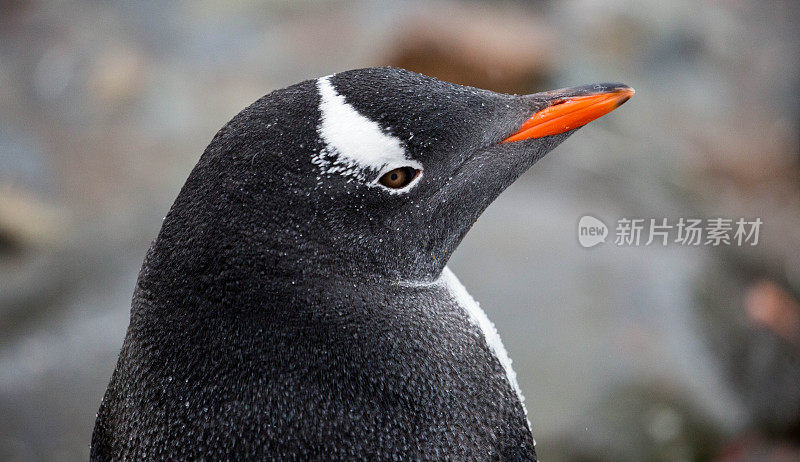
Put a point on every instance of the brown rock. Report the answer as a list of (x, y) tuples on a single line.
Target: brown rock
[(508, 51)]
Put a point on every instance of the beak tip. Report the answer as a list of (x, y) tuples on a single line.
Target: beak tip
[(625, 94), (623, 100)]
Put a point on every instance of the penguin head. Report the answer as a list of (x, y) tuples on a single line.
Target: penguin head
[(377, 172)]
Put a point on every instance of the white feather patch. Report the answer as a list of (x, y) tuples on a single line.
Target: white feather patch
[(354, 144), (479, 318)]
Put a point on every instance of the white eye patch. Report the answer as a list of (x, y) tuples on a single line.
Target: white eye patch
[(354, 144)]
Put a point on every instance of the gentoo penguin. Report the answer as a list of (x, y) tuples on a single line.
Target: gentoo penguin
[(296, 305)]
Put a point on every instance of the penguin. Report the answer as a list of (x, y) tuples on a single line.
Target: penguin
[(296, 304)]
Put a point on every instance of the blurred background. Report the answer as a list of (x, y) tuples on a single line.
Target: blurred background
[(624, 353)]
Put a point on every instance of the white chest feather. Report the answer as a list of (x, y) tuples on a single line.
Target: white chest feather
[(479, 318)]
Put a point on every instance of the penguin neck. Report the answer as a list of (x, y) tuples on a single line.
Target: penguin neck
[(233, 286), (234, 261)]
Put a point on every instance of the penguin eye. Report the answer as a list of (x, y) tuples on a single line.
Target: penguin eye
[(399, 177)]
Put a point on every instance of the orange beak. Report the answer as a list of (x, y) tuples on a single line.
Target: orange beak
[(571, 112)]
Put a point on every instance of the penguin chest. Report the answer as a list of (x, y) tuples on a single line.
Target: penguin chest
[(479, 319), (454, 374)]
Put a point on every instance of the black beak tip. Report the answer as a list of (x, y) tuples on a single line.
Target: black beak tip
[(585, 90), (593, 89)]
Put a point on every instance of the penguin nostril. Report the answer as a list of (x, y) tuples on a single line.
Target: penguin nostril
[(399, 177)]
